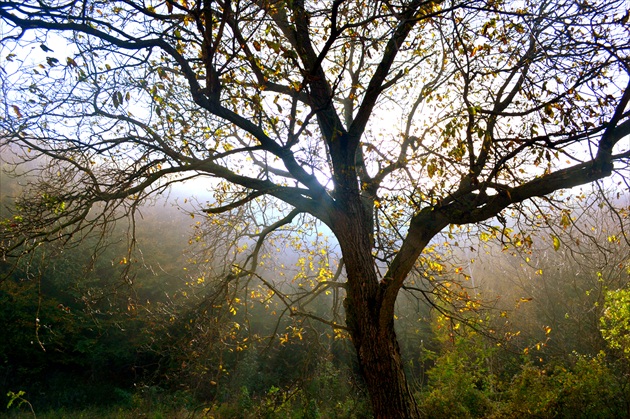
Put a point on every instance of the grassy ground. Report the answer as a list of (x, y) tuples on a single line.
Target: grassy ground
[(107, 413)]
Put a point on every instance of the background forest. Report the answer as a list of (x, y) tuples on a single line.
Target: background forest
[(531, 325)]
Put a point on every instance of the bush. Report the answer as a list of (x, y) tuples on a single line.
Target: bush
[(587, 390), (461, 383), (456, 389)]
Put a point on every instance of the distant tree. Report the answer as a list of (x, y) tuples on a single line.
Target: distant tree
[(385, 120)]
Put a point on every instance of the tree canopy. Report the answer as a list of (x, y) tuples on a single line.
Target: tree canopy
[(386, 120)]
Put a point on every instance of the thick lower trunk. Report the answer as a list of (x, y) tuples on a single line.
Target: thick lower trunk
[(371, 327), (381, 365), (383, 371), (376, 345)]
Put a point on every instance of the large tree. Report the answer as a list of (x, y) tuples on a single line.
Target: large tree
[(385, 120)]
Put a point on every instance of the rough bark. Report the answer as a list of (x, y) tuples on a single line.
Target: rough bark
[(375, 340), (378, 354)]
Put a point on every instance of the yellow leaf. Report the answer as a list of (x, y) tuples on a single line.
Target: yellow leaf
[(556, 242)]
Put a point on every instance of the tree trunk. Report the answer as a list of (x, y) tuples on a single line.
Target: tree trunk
[(385, 378), (379, 358), (375, 341)]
